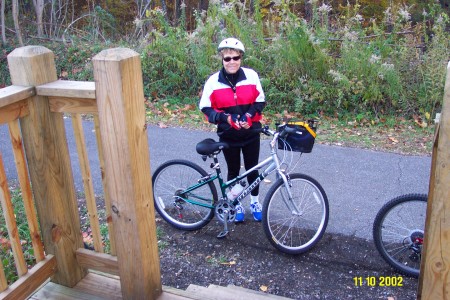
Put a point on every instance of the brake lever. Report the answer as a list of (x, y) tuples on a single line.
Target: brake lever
[(265, 130)]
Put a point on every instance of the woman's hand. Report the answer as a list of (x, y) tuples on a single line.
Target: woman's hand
[(246, 121), (233, 120)]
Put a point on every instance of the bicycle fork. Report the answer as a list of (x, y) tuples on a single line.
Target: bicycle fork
[(287, 199)]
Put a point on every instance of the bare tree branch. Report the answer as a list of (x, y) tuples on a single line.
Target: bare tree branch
[(3, 22), (15, 12), (39, 9)]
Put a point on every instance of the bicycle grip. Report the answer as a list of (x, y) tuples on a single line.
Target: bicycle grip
[(286, 131)]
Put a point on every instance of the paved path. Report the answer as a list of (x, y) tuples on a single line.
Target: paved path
[(357, 182)]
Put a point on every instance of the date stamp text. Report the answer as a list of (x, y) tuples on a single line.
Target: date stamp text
[(378, 281)]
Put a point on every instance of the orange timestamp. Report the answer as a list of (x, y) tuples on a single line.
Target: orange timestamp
[(378, 281)]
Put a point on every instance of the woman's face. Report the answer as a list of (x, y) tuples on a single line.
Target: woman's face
[(234, 60)]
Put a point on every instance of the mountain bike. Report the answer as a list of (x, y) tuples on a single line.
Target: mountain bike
[(295, 209), (398, 232)]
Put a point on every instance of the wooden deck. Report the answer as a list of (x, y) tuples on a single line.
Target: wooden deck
[(101, 287)]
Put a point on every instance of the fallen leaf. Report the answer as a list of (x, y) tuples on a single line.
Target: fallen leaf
[(5, 243), (421, 123), (263, 288), (393, 140)]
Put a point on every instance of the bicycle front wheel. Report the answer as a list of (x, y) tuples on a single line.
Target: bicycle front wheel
[(398, 232), (295, 225), (180, 198)]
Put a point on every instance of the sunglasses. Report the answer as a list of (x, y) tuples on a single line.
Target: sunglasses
[(229, 58)]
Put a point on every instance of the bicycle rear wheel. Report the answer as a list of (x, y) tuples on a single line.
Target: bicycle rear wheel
[(187, 210), (398, 232), (295, 226)]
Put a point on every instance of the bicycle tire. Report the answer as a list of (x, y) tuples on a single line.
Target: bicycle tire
[(398, 231), (168, 181), (287, 231)]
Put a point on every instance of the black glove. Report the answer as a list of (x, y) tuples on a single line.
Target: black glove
[(247, 118), (234, 120)]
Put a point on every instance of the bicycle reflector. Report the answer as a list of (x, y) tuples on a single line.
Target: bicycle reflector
[(302, 140)]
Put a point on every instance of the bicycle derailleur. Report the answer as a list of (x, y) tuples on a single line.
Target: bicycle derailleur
[(226, 213)]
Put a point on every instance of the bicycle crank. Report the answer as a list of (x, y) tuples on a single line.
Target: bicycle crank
[(226, 213)]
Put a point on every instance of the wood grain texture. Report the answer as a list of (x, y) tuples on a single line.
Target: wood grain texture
[(98, 261), (112, 239), (435, 270), (87, 182), (13, 111), (49, 165), (53, 291), (102, 286), (73, 105), (67, 89), (10, 220), (14, 93), (120, 100), (25, 187), (3, 281), (27, 285)]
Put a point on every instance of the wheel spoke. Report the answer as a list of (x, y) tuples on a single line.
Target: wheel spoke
[(184, 210), (397, 226), (296, 230)]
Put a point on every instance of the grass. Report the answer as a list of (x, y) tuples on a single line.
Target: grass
[(6, 254), (412, 136), (216, 261)]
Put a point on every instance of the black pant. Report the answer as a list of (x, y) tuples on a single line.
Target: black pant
[(250, 153)]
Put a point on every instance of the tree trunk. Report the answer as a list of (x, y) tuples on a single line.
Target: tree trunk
[(164, 8), (39, 8), (15, 12), (204, 5), (3, 22)]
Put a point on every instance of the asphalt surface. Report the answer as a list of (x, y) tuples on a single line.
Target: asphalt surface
[(357, 182)]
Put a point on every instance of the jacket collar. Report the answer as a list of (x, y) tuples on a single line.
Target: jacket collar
[(240, 76)]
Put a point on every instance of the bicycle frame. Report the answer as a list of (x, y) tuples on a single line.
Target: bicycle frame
[(272, 163)]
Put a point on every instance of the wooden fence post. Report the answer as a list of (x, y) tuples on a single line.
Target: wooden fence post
[(48, 160), (120, 100), (434, 279)]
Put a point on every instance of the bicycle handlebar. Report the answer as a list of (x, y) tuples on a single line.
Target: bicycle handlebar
[(265, 130)]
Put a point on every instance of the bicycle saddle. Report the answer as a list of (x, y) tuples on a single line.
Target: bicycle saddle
[(210, 146)]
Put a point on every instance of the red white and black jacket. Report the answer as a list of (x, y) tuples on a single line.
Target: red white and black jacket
[(222, 97)]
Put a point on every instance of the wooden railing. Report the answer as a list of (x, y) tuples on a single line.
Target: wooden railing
[(33, 108), (13, 106), (434, 281)]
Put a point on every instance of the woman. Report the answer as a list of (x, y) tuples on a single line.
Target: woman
[(233, 99)]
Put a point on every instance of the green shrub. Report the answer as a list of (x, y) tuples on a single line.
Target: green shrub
[(328, 64)]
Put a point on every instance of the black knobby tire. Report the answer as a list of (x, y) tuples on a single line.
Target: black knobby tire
[(169, 180), (398, 231), (295, 231)]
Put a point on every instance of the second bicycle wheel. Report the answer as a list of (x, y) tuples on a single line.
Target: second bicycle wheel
[(398, 232), (182, 208), (294, 227)]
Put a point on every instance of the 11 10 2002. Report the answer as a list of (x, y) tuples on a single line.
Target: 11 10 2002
[(378, 281)]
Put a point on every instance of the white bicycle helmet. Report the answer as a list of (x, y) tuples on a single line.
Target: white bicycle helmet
[(231, 43)]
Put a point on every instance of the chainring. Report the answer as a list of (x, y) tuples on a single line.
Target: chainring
[(221, 208)]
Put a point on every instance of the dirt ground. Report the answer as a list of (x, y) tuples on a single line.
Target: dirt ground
[(339, 267)]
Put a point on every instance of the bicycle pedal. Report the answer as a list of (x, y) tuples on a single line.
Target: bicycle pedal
[(222, 234)]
